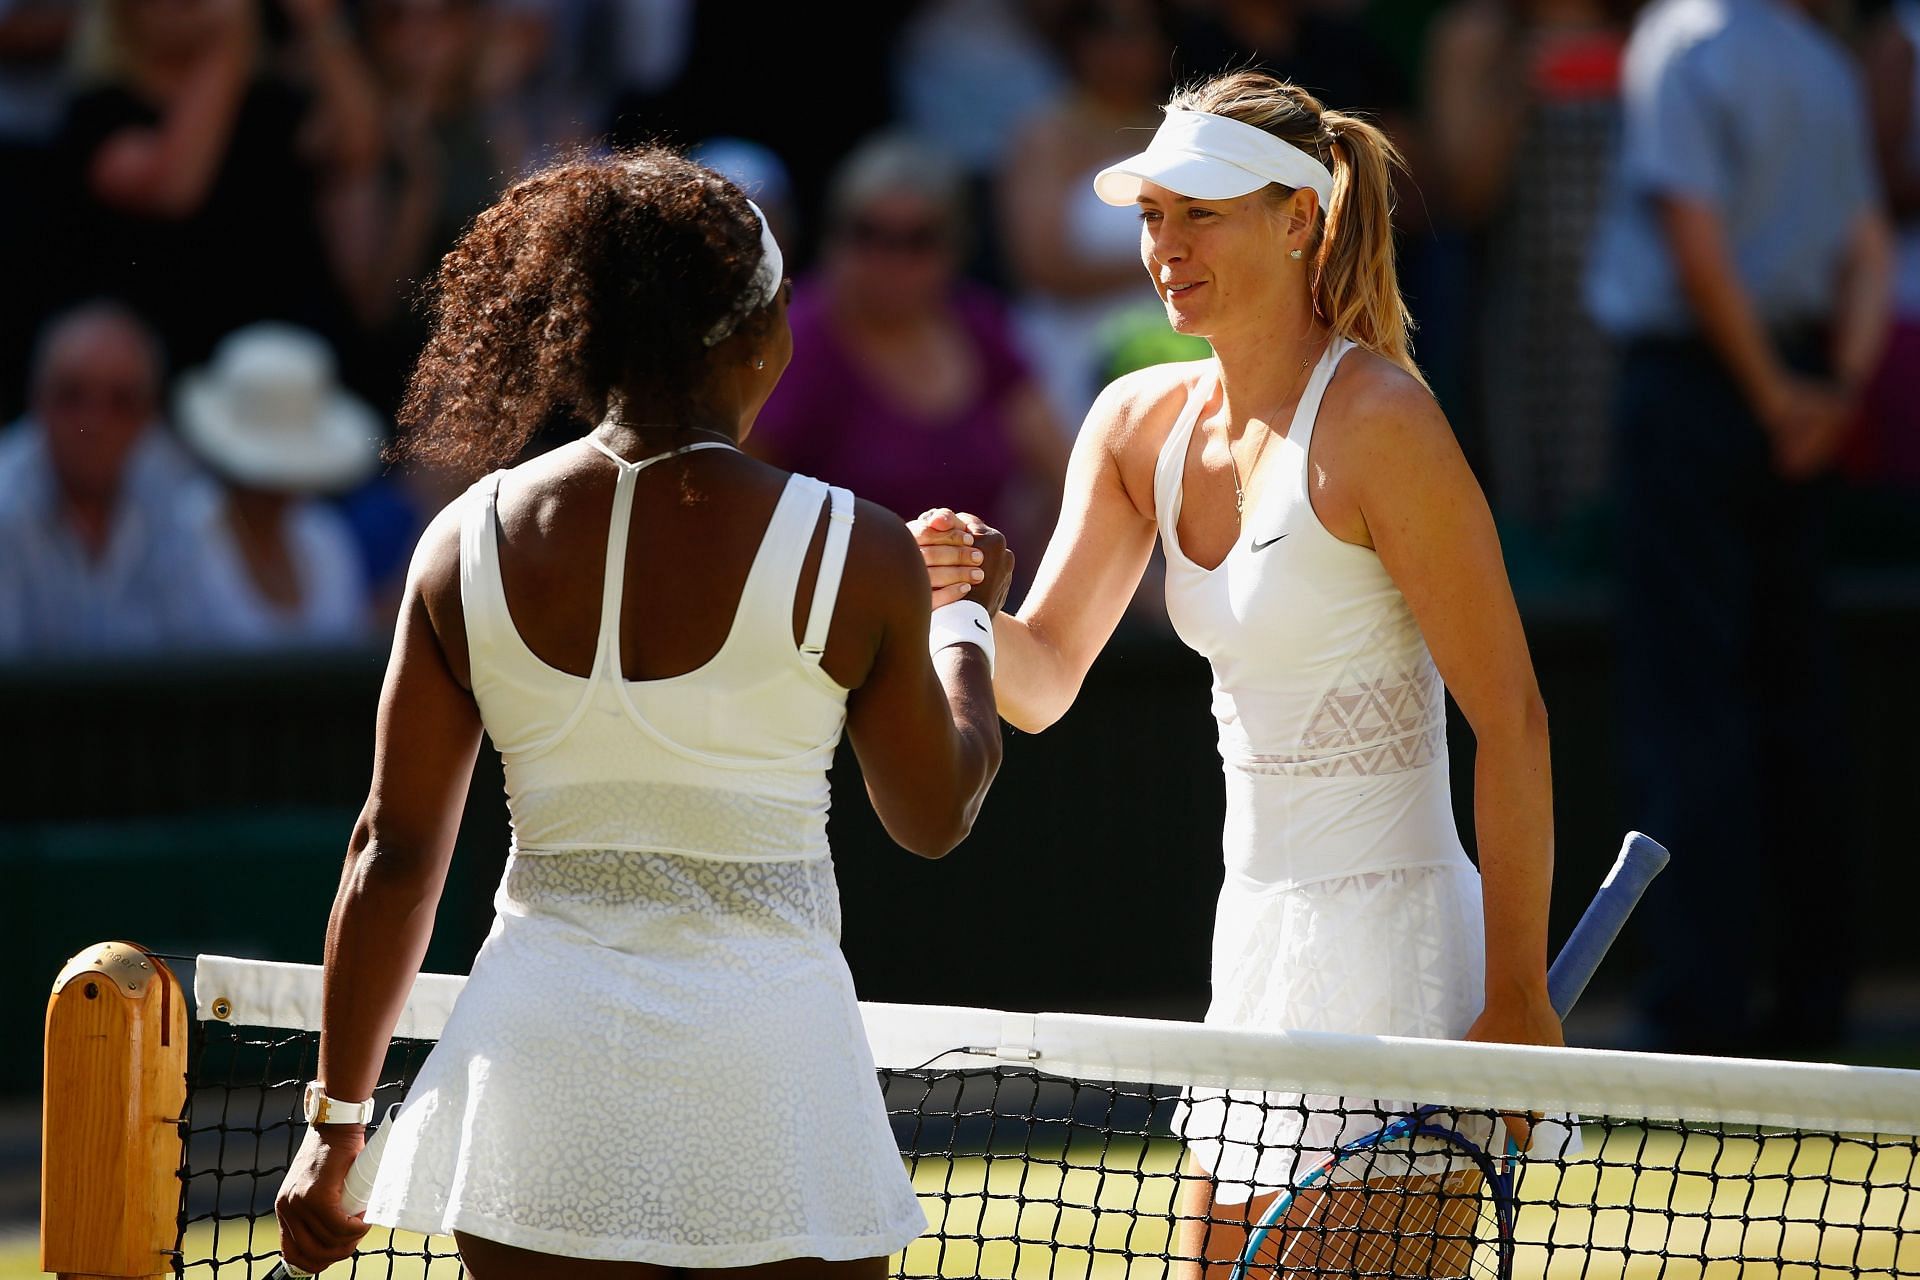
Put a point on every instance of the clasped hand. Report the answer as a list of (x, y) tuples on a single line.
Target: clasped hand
[(966, 558)]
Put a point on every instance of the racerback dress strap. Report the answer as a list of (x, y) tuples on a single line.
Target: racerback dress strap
[(826, 587), (1307, 412), (606, 657)]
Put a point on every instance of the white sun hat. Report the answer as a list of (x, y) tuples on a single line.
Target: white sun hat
[(1209, 157), (269, 413)]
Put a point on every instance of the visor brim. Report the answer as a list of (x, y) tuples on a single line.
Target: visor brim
[(1196, 177)]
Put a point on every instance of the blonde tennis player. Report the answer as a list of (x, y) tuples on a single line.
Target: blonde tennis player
[(1329, 551), (658, 1064)]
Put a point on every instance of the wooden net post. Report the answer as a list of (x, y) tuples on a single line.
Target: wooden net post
[(115, 1089)]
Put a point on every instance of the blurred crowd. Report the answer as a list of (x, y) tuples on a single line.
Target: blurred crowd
[(219, 215)]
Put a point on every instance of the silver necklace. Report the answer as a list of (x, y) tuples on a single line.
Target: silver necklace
[(1239, 493)]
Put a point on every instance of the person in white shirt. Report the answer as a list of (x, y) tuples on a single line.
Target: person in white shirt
[(97, 556)]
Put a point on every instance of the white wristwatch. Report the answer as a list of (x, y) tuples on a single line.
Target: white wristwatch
[(320, 1109)]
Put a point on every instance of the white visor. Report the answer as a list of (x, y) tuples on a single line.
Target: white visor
[(1208, 157), (772, 269)]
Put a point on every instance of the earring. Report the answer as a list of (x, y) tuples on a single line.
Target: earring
[(1294, 254), (761, 364)]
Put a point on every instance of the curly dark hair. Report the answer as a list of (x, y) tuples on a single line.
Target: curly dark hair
[(594, 281)]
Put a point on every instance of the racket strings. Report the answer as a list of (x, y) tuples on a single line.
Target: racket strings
[(1382, 1225)]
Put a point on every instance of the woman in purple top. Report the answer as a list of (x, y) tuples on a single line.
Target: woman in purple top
[(905, 384)]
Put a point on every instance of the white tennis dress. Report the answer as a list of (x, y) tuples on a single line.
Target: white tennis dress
[(659, 1057), (1349, 904)]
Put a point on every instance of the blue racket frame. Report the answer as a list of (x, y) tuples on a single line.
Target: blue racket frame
[(1641, 859), (1496, 1176)]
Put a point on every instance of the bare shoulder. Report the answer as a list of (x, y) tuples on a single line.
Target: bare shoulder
[(435, 568), (883, 593), (882, 551), (1130, 422), (533, 493), (433, 584), (1381, 448), (1376, 413), (1137, 410)]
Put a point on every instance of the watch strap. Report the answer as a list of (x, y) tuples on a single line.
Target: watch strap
[(320, 1109)]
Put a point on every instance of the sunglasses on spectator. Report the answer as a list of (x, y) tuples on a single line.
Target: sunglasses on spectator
[(911, 237), (80, 393)]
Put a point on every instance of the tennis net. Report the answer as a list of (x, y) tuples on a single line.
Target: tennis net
[(1048, 1145)]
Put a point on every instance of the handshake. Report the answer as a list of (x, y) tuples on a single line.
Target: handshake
[(966, 558)]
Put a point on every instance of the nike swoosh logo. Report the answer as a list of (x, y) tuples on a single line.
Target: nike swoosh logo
[(1262, 546), (979, 624)]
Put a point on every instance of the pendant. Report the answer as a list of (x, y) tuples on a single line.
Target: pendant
[(1239, 502)]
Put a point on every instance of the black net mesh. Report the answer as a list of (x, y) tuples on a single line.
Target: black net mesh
[(1026, 1174), (241, 1129)]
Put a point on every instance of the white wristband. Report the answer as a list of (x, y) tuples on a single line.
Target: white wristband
[(962, 622)]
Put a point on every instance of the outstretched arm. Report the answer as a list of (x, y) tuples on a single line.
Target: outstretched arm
[(1092, 566), (925, 731), (167, 170)]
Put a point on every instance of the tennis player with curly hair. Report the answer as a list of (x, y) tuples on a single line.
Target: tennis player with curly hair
[(658, 1063), (1330, 552)]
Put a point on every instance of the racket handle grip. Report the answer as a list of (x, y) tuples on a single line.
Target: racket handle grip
[(354, 1193), (1641, 859)]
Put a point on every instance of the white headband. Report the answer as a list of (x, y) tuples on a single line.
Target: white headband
[(767, 275), (1209, 157)]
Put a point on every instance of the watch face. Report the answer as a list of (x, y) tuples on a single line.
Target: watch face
[(320, 1109)]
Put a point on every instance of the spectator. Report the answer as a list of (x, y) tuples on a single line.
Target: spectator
[(34, 36), (543, 72), (1075, 260), (970, 72), (194, 181), (443, 162), (1524, 115), (271, 422), (906, 383), (1324, 48), (33, 46), (95, 555), (1886, 452), (744, 69), (758, 172), (1742, 264)]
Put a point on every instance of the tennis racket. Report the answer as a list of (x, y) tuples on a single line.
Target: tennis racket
[(1422, 1196), (354, 1193)]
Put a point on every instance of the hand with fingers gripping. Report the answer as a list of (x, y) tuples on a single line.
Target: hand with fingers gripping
[(967, 559)]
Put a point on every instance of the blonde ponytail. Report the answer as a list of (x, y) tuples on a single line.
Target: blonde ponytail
[(1355, 290)]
